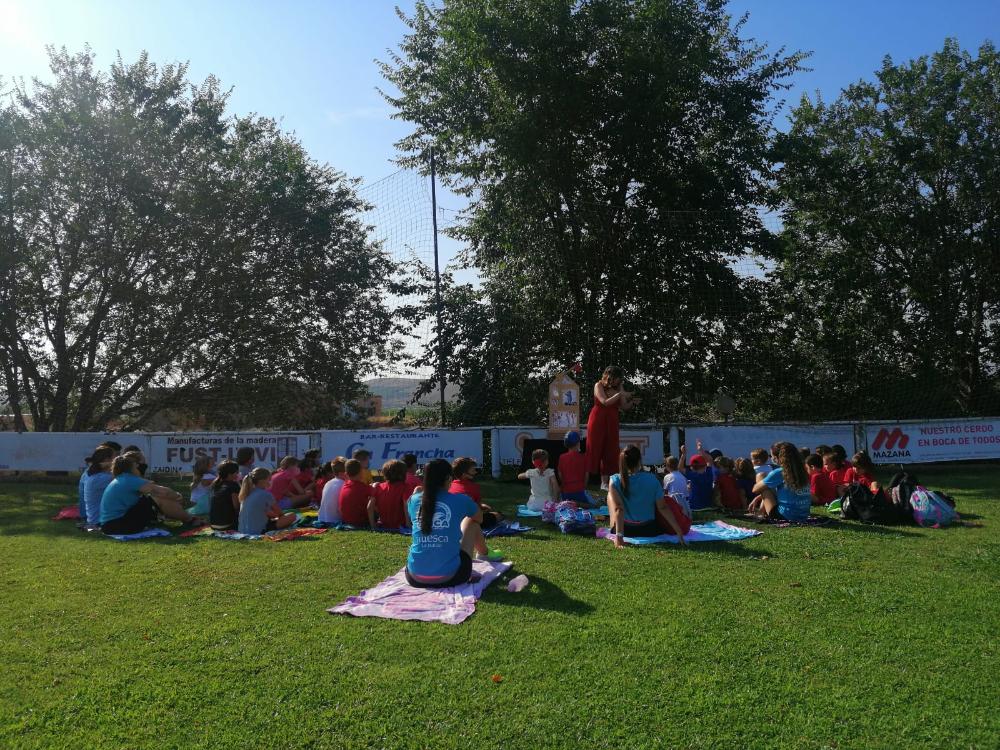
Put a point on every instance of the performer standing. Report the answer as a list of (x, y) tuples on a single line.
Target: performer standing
[(602, 424)]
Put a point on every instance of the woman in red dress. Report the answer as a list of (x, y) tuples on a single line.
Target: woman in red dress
[(602, 424)]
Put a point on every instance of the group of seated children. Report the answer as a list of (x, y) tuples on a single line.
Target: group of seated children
[(571, 482), (116, 498), (781, 484)]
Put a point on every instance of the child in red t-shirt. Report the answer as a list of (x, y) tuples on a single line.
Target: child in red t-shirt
[(412, 480), (820, 485), (388, 499), (862, 472), (323, 475), (572, 469), (463, 482), (354, 497), (728, 493), (836, 470)]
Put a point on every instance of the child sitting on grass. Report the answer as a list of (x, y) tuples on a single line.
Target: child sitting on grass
[(784, 493), (463, 482), (822, 487), (674, 483), (388, 498), (637, 504), (287, 492), (354, 497), (323, 475), (701, 482), (861, 471), (544, 487), (746, 478), (225, 511), (201, 486), (96, 480), (728, 494), (412, 480), (364, 457), (836, 469), (244, 458), (573, 472), (259, 511), (329, 506), (761, 466)]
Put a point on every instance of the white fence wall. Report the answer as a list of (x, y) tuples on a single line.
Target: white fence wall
[(888, 442)]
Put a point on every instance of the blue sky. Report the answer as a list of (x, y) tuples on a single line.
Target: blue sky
[(309, 63)]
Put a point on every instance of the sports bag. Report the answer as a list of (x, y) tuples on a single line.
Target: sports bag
[(901, 489), (930, 509), (861, 504), (573, 520)]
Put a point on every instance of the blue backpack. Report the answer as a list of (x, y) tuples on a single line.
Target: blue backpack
[(930, 509)]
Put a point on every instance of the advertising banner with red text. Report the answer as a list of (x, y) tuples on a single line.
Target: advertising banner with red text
[(944, 440)]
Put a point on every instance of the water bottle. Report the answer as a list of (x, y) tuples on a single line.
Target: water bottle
[(518, 584)]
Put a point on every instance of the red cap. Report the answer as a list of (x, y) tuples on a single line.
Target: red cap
[(698, 460)]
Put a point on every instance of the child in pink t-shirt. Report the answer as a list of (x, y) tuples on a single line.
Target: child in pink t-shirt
[(285, 488)]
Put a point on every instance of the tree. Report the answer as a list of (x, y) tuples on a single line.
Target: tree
[(159, 254), (612, 152), (888, 265)]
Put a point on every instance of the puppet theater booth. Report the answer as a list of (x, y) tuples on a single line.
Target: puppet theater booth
[(564, 415)]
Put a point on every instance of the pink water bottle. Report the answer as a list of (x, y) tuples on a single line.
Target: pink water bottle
[(518, 584)]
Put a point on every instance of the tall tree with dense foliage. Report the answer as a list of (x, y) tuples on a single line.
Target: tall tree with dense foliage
[(159, 254), (612, 152), (888, 275)]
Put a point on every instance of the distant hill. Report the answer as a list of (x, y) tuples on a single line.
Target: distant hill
[(397, 392)]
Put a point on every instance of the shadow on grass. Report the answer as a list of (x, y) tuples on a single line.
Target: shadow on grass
[(871, 529), (540, 594)]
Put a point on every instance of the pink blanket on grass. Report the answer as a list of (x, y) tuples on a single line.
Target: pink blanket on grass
[(395, 599)]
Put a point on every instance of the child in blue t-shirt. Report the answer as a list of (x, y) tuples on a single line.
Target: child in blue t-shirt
[(785, 492), (96, 480), (446, 529), (700, 477)]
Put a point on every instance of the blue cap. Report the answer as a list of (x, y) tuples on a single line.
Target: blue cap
[(572, 438)]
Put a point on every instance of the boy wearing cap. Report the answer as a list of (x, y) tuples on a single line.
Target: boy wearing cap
[(573, 472), (702, 483)]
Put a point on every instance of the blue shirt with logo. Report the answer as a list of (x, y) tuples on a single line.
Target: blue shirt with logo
[(120, 495), (793, 505), (435, 557), (643, 491)]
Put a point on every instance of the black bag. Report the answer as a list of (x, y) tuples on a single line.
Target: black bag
[(861, 504), (901, 489)]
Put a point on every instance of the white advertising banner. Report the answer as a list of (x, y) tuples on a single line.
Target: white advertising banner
[(386, 444), (958, 440), (56, 451), (511, 442), (738, 440), (174, 453)]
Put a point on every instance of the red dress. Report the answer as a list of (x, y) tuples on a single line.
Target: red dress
[(602, 439)]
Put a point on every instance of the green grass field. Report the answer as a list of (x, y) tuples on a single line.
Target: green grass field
[(843, 636)]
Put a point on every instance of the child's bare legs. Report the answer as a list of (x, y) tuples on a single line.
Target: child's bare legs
[(173, 509), (769, 503), (299, 501), (472, 538), (285, 520)]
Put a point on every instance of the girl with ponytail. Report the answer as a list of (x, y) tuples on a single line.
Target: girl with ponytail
[(96, 480), (637, 504), (785, 493), (259, 511), (446, 529)]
